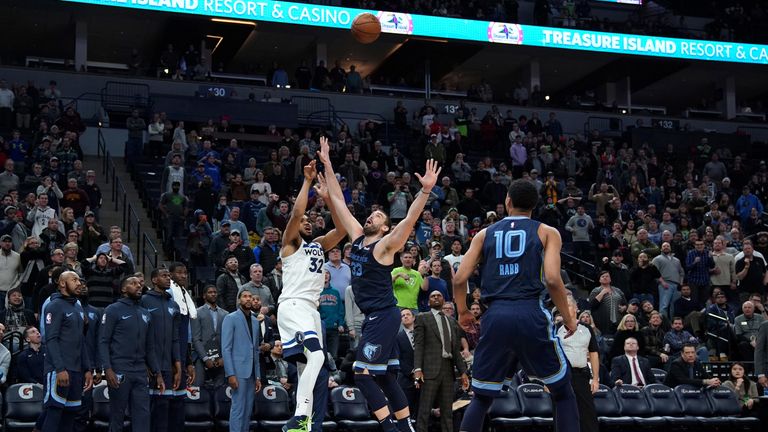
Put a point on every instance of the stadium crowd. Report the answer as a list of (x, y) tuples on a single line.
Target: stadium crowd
[(667, 248)]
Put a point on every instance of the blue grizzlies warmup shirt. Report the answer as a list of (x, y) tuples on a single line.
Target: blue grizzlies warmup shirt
[(513, 260)]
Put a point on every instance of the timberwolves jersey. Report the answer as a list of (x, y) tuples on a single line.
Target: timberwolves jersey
[(513, 260), (371, 281), (303, 273)]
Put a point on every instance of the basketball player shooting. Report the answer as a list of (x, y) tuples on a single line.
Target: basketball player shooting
[(298, 320), (372, 260)]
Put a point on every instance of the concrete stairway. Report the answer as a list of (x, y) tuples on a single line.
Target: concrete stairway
[(110, 216)]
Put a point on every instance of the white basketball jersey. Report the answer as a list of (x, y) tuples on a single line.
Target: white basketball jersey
[(303, 273)]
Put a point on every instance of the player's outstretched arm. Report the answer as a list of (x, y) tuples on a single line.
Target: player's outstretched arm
[(399, 235), (291, 236), (466, 268), (346, 220), (552, 244), (334, 236)]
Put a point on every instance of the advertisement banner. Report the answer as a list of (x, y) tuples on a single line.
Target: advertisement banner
[(457, 28)]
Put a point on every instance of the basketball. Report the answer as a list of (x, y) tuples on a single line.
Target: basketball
[(366, 28)]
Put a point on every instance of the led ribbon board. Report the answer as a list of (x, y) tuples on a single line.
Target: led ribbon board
[(456, 28)]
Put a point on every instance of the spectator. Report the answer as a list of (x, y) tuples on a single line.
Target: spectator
[(341, 274), (604, 303), (720, 318), (407, 282), (745, 389), (174, 206), (580, 226), (75, 198), (628, 328), (631, 368), (103, 273), (228, 284), (8, 179), (15, 316), (746, 327), (29, 363), (643, 245), (654, 334), (688, 370), (332, 313), (750, 271), (699, 264), (671, 275), (10, 266), (5, 358), (237, 249), (257, 287)]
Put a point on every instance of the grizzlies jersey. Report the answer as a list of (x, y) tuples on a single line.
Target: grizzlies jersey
[(371, 281), (513, 254), (303, 273)]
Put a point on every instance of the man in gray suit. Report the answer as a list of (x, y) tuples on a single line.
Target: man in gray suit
[(206, 340), (761, 355), (240, 352), (437, 354)]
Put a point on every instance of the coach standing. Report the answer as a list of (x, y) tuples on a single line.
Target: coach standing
[(125, 345), (66, 361), (582, 351), (240, 352), (437, 352)]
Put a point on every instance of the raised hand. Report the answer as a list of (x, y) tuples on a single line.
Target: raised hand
[(310, 172), (322, 188), (429, 178), (325, 151)]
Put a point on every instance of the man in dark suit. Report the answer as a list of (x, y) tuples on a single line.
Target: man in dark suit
[(761, 355), (266, 335), (631, 368), (206, 340), (688, 370), (405, 345), (437, 353)]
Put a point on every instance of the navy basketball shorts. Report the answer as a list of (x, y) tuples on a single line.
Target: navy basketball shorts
[(64, 397), (377, 350), (521, 327)]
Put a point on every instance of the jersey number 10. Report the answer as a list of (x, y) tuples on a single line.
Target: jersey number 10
[(509, 244)]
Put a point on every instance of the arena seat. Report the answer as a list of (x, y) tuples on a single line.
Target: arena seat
[(350, 410), (197, 410), (659, 374), (273, 408), (693, 402), (23, 405), (726, 409), (608, 409), (664, 404), (101, 409), (633, 403), (506, 412), (536, 404)]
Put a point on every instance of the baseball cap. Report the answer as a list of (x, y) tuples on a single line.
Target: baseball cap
[(634, 301), (618, 253), (11, 208), (54, 158), (6, 237), (436, 243), (226, 223), (235, 233), (89, 213)]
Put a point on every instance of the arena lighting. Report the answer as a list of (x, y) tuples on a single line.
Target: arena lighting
[(546, 97), (456, 28), (231, 21), (219, 40)]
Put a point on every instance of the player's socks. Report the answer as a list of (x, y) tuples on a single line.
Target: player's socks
[(304, 402), (405, 425), (475, 414), (387, 425)]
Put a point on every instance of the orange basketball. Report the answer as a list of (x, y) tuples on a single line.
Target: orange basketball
[(366, 28)]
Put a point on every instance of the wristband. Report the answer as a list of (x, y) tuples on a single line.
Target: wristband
[(425, 192)]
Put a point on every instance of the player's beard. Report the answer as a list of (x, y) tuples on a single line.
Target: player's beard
[(370, 230)]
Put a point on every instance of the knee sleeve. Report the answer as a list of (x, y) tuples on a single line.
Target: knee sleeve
[(371, 391), (395, 394)]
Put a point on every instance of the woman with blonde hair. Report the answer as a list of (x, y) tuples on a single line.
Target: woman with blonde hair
[(628, 328)]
